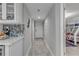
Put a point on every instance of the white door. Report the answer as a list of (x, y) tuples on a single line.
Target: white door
[(38, 29)]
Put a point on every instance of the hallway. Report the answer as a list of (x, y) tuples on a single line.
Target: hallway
[(39, 48), (42, 20)]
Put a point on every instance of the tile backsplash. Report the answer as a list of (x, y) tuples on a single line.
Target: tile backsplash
[(14, 29)]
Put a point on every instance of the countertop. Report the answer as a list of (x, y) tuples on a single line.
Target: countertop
[(10, 40)]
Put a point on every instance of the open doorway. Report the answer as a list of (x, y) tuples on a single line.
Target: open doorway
[(72, 29), (38, 29)]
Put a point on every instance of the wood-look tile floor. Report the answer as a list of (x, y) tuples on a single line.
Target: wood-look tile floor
[(72, 51), (39, 48)]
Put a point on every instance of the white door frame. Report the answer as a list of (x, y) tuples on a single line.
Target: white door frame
[(63, 29), (60, 38)]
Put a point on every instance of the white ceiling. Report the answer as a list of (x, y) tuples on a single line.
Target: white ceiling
[(36, 13), (71, 10)]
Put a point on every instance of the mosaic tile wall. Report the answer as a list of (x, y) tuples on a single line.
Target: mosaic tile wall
[(14, 29)]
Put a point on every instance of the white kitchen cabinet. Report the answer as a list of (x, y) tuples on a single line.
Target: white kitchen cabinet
[(15, 49), (11, 13)]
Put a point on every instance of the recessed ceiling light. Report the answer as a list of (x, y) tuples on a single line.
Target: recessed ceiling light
[(38, 17)]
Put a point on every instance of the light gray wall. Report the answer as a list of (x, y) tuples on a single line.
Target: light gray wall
[(32, 30), (50, 29), (53, 28), (1, 27), (27, 33)]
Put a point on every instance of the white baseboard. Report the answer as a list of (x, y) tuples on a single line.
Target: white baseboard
[(48, 48)]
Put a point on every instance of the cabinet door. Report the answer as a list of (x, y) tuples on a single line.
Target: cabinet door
[(10, 11), (0, 11), (6, 11), (3, 11), (16, 49)]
